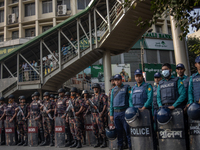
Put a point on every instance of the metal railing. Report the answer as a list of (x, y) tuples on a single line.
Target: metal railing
[(29, 74)]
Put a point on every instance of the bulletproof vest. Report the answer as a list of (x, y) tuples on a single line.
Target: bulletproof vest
[(20, 116), (76, 107), (61, 106), (47, 105), (9, 110), (139, 95), (97, 103), (35, 107), (169, 91), (155, 104), (120, 99), (196, 87)]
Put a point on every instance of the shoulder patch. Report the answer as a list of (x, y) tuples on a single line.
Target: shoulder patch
[(129, 91), (149, 89), (181, 82)]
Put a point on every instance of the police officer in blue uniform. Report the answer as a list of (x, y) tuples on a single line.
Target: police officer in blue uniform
[(170, 91), (142, 93), (119, 102)]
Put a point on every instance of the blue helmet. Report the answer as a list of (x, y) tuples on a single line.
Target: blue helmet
[(163, 115), (194, 111), (111, 134), (131, 114)]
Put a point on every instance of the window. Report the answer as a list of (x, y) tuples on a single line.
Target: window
[(15, 10), (47, 7), (30, 9), (30, 32), (1, 15), (1, 4), (45, 28), (164, 56), (15, 1), (151, 56), (82, 4), (15, 35), (169, 30), (1, 38), (158, 29), (64, 2)]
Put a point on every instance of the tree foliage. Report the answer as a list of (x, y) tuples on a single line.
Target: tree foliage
[(181, 10)]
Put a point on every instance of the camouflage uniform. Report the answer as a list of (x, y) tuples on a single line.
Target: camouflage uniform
[(2, 109), (98, 123), (35, 112), (47, 122), (22, 124), (75, 123)]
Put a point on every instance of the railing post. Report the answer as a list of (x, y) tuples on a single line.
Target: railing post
[(108, 15), (78, 39), (41, 62), (17, 68), (59, 50), (1, 70), (95, 28), (90, 30)]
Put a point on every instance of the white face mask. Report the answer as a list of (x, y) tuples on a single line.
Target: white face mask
[(166, 73)]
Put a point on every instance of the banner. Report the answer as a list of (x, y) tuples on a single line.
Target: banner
[(97, 73), (122, 69), (159, 44), (7, 50)]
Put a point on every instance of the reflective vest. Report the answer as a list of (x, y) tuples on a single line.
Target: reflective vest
[(196, 87), (169, 91), (139, 95), (120, 99), (155, 104)]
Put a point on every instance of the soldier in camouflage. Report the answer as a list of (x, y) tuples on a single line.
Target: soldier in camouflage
[(45, 110), (3, 107), (22, 112)]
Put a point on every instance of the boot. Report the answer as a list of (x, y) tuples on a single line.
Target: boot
[(45, 142), (69, 140), (129, 148), (97, 143), (2, 137), (84, 139), (79, 144), (120, 147), (51, 140), (41, 136), (26, 142), (104, 143), (75, 144), (22, 141)]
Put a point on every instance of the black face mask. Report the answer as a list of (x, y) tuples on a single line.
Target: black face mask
[(1, 103), (113, 84), (96, 91), (74, 95)]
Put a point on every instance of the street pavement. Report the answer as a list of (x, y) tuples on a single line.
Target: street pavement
[(47, 147)]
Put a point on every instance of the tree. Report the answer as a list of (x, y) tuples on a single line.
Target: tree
[(193, 51), (182, 10)]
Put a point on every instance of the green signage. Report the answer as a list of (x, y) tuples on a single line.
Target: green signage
[(7, 50), (151, 69), (158, 35)]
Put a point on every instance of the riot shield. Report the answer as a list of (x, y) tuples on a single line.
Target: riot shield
[(172, 135), (194, 131), (59, 132), (112, 144), (141, 131), (10, 133), (90, 138), (0, 129), (32, 132)]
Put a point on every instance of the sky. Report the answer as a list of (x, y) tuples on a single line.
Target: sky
[(190, 28)]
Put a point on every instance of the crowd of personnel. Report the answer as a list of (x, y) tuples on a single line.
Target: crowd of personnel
[(168, 91)]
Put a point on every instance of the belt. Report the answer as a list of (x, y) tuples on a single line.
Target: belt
[(119, 110), (168, 104)]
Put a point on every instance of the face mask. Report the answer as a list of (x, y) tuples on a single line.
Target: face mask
[(74, 95), (96, 91), (113, 84), (166, 73)]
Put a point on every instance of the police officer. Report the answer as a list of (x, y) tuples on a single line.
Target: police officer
[(75, 117), (98, 108), (22, 112), (35, 114), (170, 91), (112, 81), (46, 110), (10, 113), (194, 84), (119, 102), (3, 107)]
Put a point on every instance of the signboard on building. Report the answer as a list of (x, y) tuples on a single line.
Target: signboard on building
[(159, 44), (151, 69), (97, 73), (124, 70), (6, 50)]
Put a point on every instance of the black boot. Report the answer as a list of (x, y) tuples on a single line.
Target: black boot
[(84, 139), (45, 142), (97, 143), (69, 140), (41, 136), (21, 141), (129, 148), (120, 147), (104, 143), (75, 144), (2, 137), (79, 144), (26, 142), (51, 140)]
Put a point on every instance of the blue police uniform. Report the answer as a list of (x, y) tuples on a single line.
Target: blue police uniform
[(118, 105)]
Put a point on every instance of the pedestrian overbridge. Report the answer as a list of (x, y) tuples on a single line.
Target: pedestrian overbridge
[(73, 45)]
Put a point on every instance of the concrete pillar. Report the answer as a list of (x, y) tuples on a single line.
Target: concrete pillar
[(180, 51), (5, 20), (107, 70), (37, 29), (54, 11), (165, 27)]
